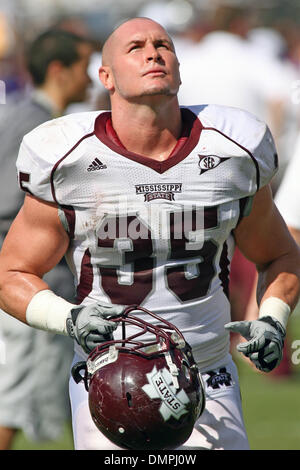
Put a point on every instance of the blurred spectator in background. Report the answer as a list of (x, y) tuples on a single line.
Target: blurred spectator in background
[(226, 68), (288, 194), (98, 97), (33, 385), (288, 28), (182, 21), (11, 58), (271, 44)]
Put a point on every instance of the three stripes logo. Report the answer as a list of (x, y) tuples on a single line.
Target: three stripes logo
[(96, 165)]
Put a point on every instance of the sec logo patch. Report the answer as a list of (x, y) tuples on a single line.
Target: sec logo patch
[(208, 162)]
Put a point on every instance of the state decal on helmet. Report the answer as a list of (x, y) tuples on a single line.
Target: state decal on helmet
[(143, 394)]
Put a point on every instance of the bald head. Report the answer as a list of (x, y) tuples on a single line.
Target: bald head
[(125, 30), (139, 60)]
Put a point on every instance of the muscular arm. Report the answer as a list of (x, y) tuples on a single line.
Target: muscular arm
[(36, 242), (265, 240)]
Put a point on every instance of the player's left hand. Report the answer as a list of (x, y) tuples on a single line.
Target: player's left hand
[(265, 338)]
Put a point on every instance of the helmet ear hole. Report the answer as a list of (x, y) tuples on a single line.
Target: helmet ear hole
[(129, 399), (186, 370)]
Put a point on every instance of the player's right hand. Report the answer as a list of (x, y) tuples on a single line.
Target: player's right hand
[(90, 325)]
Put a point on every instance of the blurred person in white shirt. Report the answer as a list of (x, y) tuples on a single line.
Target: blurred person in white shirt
[(227, 68)]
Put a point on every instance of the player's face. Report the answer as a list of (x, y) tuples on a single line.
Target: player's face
[(76, 76), (143, 62)]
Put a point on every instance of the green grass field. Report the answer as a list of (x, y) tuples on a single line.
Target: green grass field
[(271, 409), (272, 405)]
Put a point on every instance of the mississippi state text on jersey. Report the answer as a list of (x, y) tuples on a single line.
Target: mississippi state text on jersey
[(150, 233)]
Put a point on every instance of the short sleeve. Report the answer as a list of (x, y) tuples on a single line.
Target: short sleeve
[(43, 149), (265, 154), (33, 171), (248, 137)]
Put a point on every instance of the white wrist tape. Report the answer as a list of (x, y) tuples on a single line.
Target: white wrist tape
[(47, 311), (275, 308)]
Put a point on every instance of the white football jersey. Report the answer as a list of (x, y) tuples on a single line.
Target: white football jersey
[(150, 233)]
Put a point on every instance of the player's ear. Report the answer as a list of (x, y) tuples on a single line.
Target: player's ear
[(106, 77), (180, 82)]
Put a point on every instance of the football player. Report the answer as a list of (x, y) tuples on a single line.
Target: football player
[(147, 202)]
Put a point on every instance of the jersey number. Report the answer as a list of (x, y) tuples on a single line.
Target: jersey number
[(191, 260)]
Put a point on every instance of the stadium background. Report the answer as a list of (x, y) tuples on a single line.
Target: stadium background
[(271, 404)]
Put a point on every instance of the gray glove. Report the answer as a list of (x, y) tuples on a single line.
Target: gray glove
[(265, 341), (90, 325)]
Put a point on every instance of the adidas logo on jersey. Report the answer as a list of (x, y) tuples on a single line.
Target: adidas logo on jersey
[(96, 165)]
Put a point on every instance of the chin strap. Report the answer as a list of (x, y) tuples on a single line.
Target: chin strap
[(77, 376)]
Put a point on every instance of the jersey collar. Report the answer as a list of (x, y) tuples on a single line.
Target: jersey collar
[(191, 131)]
